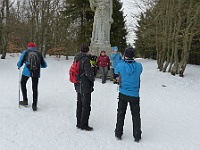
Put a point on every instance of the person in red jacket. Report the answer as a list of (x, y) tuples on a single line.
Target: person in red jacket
[(103, 62)]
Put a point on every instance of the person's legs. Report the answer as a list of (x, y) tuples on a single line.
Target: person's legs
[(105, 73), (24, 80), (121, 111), (35, 93), (135, 111), (86, 108), (78, 110), (102, 73)]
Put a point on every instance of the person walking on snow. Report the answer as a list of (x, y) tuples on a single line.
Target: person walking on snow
[(115, 57), (84, 88), (129, 72), (27, 73), (103, 62)]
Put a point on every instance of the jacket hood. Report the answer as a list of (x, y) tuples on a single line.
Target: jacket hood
[(129, 66), (79, 56)]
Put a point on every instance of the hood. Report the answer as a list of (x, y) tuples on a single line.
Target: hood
[(79, 56), (129, 66)]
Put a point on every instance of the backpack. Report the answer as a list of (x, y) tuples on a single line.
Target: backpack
[(33, 62), (74, 72)]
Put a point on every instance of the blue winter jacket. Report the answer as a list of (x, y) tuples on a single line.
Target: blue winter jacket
[(22, 60), (129, 72), (116, 58)]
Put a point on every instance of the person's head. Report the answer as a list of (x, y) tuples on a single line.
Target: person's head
[(85, 48), (103, 52), (129, 53), (93, 52), (115, 49), (31, 44)]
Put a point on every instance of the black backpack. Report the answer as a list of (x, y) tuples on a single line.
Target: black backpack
[(33, 59)]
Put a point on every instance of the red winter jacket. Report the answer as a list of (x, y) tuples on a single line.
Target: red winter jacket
[(103, 61)]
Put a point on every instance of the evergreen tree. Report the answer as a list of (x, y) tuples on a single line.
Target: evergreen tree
[(81, 17), (118, 29)]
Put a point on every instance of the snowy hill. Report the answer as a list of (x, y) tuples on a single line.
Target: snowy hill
[(169, 111)]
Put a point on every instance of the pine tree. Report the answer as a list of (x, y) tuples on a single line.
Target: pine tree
[(118, 29), (81, 17)]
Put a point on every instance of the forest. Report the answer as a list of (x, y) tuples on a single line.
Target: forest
[(58, 27), (169, 31)]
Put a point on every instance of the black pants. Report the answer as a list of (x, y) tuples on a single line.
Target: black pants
[(83, 109), (94, 70), (114, 75), (34, 88), (135, 111)]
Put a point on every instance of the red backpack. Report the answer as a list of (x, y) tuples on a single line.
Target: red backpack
[(74, 72)]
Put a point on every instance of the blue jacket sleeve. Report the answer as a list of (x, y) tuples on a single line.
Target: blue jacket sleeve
[(21, 59), (112, 56)]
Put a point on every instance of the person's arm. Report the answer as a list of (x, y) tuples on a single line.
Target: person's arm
[(87, 69), (112, 56), (43, 62), (22, 59)]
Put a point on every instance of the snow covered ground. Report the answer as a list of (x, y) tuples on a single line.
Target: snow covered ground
[(170, 111)]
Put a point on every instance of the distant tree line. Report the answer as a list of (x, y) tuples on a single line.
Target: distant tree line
[(56, 26), (170, 33)]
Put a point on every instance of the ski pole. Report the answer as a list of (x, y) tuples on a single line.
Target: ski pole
[(19, 86)]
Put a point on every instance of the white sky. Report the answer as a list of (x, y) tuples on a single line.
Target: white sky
[(131, 9)]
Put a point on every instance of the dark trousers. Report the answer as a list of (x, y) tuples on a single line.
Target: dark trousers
[(83, 109), (94, 70), (114, 75), (135, 111), (104, 72), (24, 80)]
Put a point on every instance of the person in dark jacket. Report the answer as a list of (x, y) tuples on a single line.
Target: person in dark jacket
[(84, 89), (93, 62), (26, 74), (129, 72), (103, 62)]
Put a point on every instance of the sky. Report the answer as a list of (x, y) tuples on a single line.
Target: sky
[(169, 111), (131, 9)]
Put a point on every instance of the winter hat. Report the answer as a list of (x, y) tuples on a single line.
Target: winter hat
[(31, 44), (84, 48), (115, 48), (129, 52)]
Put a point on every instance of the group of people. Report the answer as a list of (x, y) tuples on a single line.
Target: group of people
[(126, 72), (102, 62)]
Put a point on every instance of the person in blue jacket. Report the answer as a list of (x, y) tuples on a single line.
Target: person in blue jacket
[(26, 74), (129, 72), (115, 57)]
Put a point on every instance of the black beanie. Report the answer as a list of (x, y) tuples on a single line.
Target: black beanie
[(84, 48), (129, 52)]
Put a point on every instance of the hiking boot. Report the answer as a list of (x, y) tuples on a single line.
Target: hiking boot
[(23, 103), (137, 140), (87, 128), (34, 107), (78, 126), (118, 137)]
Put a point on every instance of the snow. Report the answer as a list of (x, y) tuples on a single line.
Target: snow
[(169, 111)]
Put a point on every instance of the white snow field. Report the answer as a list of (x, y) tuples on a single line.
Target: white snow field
[(170, 111)]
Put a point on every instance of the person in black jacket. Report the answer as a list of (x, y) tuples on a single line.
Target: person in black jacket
[(84, 89)]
